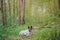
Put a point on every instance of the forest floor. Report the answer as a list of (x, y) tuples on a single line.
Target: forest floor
[(39, 32), (36, 33)]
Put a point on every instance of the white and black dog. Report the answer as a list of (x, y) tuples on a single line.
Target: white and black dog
[(26, 32)]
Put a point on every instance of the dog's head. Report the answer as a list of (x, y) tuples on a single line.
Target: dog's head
[(29, 28)]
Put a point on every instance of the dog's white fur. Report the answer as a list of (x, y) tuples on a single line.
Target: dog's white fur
[(25, 32)]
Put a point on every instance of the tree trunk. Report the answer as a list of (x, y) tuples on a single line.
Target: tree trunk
[(59, 3), (9, 11), (23, 11), (3, 4), (19, 13), (14, 11), (0, 4)]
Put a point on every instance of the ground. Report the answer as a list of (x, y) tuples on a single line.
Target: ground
[(38, 33)]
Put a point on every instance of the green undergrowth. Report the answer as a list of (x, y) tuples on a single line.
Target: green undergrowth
[(42, 34)]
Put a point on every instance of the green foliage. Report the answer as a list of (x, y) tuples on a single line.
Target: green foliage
[(57, 13), (38, 17), (47, 34), (42, 34)]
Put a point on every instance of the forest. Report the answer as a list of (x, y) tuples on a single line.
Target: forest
[(29, 19)]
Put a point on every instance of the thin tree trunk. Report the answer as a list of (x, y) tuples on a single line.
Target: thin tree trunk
[(14, 6), (13, 17), (19, 12), (14, 9), (23, 11), (0, 4), (59, 3), (9, 10), (3, 4)]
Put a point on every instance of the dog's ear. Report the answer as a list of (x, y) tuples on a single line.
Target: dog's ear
[(31, 27), (28, 27)]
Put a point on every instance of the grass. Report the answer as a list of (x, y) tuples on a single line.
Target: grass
[(42, 34)]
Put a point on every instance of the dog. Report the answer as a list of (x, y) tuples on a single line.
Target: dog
[(26, 32)]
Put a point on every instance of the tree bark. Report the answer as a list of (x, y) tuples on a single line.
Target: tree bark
[(14, 11), (0, 4), (9, 11), (3, 5), (19, 12), (23, 11), (59, 3)]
